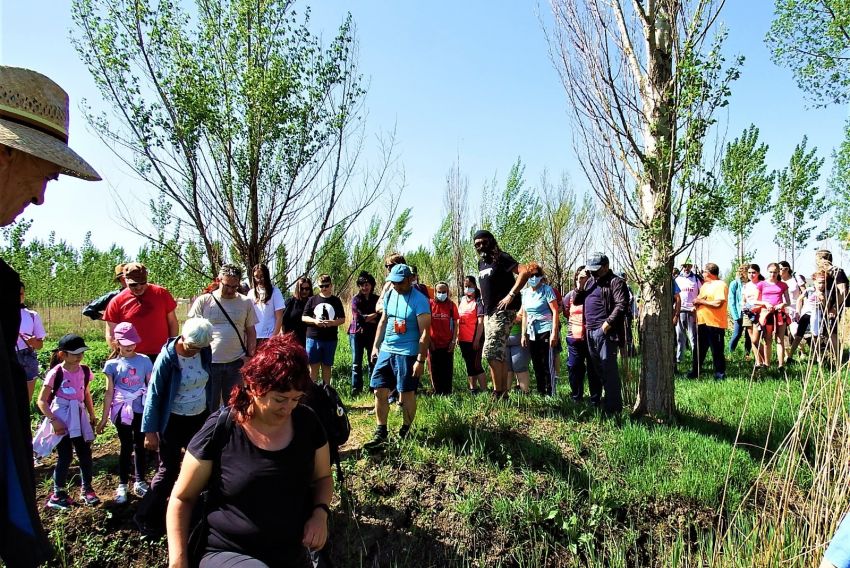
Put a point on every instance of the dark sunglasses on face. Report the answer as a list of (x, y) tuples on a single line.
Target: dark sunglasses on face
[(324, 285), (136, 284), (306, 289)]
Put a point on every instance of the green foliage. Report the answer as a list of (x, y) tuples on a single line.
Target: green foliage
[(514, 215), (746, 186), (332, 257), (811, 38), (799, 203), (839, 187)]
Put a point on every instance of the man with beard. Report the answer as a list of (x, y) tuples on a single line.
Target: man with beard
[(497, 271)]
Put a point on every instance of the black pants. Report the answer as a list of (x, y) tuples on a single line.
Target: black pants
[(178, 433), (132, 439), (472, 357), (442, 369), (709, 337), (64, 456), (542, 357)]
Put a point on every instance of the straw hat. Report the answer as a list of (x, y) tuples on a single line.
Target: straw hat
[(34, 119)]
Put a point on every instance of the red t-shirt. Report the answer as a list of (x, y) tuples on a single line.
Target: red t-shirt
[(148, 313), (444, 318)]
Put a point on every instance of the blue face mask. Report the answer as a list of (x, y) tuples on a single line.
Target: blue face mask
[(534, 281), (470, 291), (441, 296)]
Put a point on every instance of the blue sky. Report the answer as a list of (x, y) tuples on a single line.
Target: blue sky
[(470, 79)]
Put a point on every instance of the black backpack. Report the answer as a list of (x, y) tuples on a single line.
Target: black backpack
[(325, 402)]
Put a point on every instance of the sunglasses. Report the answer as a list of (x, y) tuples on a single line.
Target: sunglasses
[(137, 284), (306, 289), (324, 285)]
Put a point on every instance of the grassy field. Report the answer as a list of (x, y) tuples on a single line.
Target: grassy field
[(528, 482)]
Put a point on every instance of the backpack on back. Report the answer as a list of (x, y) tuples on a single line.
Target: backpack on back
[(59, 376), (325, 402)]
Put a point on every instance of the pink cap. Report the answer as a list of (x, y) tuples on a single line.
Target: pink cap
[(126, 334)]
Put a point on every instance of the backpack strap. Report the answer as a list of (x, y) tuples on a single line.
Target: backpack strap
[(59, 376), (236, 329)]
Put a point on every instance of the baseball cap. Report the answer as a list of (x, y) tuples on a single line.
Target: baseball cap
[(72, 343), (119, 271), (125, 334), (399, 272), (135, 272), (596, 261)]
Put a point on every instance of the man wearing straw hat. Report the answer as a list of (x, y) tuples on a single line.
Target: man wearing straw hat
[(33, 150)]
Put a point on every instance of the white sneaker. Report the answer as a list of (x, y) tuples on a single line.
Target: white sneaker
[(140, 488), (121, 494)]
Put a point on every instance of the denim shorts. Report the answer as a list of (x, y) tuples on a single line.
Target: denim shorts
[(321, 351), (394, 372)]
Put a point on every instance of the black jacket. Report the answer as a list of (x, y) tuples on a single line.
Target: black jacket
[(615, 296), (96, 308)]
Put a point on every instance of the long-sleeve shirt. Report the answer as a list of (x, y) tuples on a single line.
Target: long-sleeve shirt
[(735, 299)]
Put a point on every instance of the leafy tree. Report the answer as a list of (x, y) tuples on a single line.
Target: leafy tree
[(237, 115), (746, 186), (644, 80), (333, 258), (513, 215), (839, 187), (567, 224), (811, 38), (799, 204), (457, 210)]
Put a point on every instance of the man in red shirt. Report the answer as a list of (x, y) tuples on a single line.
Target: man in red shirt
[(150, 308)]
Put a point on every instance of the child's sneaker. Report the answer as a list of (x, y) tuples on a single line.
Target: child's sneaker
[(59, 501), (121, 494), (89, 497), (140, 488)]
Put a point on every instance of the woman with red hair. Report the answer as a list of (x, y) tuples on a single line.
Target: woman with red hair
[(266, 468)]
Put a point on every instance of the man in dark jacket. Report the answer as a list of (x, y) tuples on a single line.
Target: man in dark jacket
[(606, 300), (96, 308)]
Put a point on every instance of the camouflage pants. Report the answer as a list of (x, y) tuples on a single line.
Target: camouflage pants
[(497, 329)]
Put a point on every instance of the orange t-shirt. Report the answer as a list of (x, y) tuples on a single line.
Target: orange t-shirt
[(712, 290)]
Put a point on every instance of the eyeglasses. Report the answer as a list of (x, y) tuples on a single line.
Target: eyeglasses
[(137, 284), (306, 289), (324, 285)]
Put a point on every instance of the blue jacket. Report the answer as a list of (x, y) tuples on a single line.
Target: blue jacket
[(165, 381), (736, 290)]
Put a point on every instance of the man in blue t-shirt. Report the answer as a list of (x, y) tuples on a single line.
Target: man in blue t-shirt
[(401, 345)]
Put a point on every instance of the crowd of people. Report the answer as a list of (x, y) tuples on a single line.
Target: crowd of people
[(219, 399)]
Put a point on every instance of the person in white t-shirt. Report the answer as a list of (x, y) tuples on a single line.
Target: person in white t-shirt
[(268, 303)]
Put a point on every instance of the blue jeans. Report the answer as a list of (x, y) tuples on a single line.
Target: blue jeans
[(394, 372), (223, 377), (579, 363), (737, 332), (603, 357), (360, 343)]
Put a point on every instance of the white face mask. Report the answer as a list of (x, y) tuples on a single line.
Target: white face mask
[(534, 281), (441, 296), (469, 291)]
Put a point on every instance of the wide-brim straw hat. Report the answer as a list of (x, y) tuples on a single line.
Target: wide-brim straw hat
[(34, 119)]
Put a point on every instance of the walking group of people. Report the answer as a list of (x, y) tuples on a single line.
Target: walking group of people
[(777, 310)]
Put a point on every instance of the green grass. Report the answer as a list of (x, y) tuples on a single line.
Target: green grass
[(542, 481)]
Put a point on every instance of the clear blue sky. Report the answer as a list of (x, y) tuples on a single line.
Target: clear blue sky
[(470, 79)]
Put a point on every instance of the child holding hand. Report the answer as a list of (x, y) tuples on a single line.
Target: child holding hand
[(127, 378)]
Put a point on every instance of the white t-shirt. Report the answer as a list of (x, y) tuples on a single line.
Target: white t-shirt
[(31, 326), (226, 346), (191, 396), (266, 312)]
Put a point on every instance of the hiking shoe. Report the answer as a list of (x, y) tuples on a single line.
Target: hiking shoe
[(121, 494), (404, 431), (140, 488), (59, 501), (378, 441), (89, 497), (474, 391)]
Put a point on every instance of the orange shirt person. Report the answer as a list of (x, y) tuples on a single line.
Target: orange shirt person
[(711, 306)]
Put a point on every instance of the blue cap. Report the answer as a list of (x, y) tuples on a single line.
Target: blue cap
[(399, 272)]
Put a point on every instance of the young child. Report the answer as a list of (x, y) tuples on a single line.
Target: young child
[(444, 329), (127, 378), (66, 403)]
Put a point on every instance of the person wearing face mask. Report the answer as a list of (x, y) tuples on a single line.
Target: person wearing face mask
[(501, 280), (605, 302), (540, 330), (444, 330), (471, 334)]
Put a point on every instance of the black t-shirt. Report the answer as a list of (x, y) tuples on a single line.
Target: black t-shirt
[(323, 309), (495, 281), (292, 322), (260, 499)]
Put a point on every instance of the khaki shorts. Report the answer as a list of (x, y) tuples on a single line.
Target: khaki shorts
[(497, 329)]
